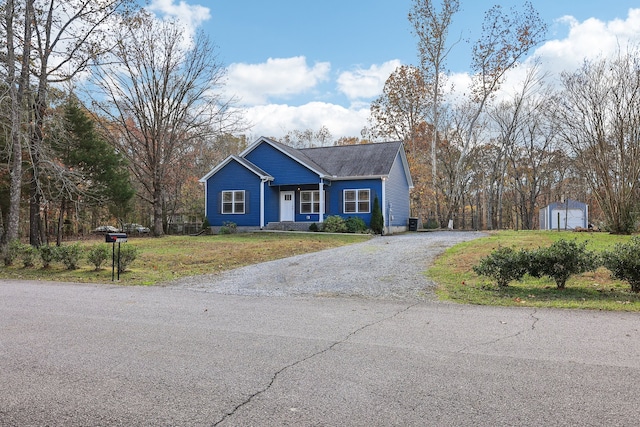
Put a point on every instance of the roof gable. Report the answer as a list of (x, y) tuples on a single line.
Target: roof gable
[(243, 162), (288, 151)]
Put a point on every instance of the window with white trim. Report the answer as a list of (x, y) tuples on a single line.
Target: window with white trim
[(310, 202), (356, 201), (233, 202)]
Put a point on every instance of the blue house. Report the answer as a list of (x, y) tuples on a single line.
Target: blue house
[(274, 186)]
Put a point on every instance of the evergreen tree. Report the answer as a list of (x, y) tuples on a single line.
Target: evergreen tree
[(377, 220), (94, 173), (96, 158)]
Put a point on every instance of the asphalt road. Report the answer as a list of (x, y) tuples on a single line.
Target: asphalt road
[(108, 355)]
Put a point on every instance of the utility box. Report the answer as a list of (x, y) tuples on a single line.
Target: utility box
[(115, 237)]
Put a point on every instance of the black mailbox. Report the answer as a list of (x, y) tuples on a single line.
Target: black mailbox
[(115, 237)]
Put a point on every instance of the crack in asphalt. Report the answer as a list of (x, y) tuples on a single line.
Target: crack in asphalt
[(520, 332), (304, 359)]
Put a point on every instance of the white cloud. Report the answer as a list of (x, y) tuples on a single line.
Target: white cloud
[(276, 120), (587, 40), (190, 16), (366, 83), (277, 78)]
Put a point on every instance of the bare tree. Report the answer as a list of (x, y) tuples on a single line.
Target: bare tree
[(505, 40), (58, 39), (17, 62), (400, 112), (432, 29), (518, 125), (68, 35), (161, 91), (308, 138), (601, 123)]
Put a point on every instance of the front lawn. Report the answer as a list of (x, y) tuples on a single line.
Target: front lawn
[(171, 257), (594, 290)]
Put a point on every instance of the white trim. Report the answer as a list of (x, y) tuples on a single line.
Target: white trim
[(356, 178), (405, 165), (243, 162), (273, 144), (233, 202), (206, 200), (383, 203), (357, 200), (262, 203), (321, 190), (312, 201)]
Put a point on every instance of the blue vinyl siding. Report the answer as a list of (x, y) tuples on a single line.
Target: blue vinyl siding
[(397, 194), (272, 204), (234, 177), (336, 196), (283, 168), (290, 175)]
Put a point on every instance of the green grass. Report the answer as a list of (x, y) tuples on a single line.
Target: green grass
[(171, 257), (594, 290)]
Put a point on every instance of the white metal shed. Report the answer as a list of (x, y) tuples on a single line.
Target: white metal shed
[(566, 215)]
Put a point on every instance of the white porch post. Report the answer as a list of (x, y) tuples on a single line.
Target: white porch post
[(321, 193), (383, 203), (262, 204)]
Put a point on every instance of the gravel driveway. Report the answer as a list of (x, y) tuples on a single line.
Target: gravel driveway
[(388, 267)]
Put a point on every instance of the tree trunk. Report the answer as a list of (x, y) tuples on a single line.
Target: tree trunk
[(157, 211), (61, 222), (18, 86)]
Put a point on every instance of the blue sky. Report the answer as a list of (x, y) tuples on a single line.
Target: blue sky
[(299, 64)]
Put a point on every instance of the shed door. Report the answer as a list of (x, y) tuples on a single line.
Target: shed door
[(287, 206), (569, 218)]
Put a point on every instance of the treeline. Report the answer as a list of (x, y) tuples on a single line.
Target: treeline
[(490, 161), (151, 121)]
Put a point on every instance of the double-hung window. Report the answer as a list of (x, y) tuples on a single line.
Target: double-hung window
[(233, 202), (356, 201), (310, 202)]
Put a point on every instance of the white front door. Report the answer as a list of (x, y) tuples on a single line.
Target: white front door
[(287, 206)]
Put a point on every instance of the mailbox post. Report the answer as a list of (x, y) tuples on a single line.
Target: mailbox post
[(115, 238)]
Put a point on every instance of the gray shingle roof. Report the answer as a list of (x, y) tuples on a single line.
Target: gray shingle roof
[(354, 160)]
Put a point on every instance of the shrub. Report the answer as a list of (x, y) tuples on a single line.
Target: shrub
[(28, 254), (314, 227), (624, 262), (377, 220), (355, 225), (128, 254), (431, 224), (98, 254), (503, 265), (11, 252), (48, 254), (561, 260), (228, 227), (70, 255), (334, 224)]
